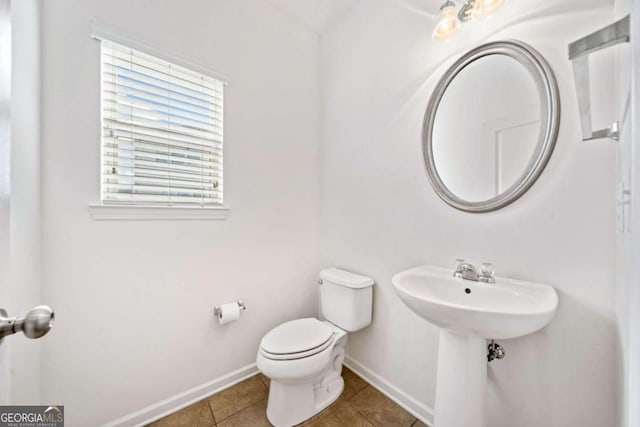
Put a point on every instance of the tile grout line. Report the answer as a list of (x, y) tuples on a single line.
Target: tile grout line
[(245, 409), (364, 416), (360, 414), (263, 382), (415, 420), (357, 411), (241, 410), (215, 423)]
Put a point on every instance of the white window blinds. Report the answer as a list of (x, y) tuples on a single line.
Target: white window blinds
[(161, 131)]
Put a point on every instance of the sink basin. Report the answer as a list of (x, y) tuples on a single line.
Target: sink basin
[(468, 313), (505, 309)]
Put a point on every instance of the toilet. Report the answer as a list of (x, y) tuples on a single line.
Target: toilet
[(303, 357)]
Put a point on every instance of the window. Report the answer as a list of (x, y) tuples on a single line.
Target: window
[(162, 132)]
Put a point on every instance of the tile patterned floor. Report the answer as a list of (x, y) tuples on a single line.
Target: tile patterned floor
[(245, 405)]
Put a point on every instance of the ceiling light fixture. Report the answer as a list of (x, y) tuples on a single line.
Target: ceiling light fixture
[(449, 22), (487, 7), (469, 10)]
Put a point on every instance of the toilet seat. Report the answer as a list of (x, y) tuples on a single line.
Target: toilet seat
[(297, 339)]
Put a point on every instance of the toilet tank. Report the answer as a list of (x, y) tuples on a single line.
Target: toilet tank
[(346, 298)]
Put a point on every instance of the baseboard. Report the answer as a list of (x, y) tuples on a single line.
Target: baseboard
[(419, 410), (161, 409), (184, 399)]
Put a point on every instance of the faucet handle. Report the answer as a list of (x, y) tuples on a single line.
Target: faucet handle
[(486, 272), (487, 268), (458, 270)]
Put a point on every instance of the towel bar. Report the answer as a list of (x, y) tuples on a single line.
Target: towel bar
[(579, 50)]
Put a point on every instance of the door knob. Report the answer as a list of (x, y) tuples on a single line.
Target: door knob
[(37, 322)]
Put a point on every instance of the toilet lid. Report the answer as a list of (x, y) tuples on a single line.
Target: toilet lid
[(296, 336)]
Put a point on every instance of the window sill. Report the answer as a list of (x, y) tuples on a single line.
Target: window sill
[(133, 213)]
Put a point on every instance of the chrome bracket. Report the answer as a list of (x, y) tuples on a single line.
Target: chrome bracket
[(613, 133), (579, 50), (217, 309)]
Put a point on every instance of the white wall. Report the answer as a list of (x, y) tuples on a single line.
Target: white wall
[(134, 300), (380, 216)]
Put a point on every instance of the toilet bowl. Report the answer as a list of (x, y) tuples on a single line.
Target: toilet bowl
[(303, 357), (306, 380)]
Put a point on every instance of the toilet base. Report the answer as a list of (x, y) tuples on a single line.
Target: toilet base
[(291, 404)]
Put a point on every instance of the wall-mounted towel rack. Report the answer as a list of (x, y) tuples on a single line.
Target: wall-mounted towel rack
[(579, 51)]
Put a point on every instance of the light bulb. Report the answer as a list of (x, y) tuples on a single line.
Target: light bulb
[(448, 24), (477, 9), (486, 7)]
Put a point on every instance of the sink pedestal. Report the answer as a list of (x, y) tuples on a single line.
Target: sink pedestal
[(505, 309), (461, 387)]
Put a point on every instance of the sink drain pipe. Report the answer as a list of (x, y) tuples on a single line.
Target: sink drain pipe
[(495, 351)]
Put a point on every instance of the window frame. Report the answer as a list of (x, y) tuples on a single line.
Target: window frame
[(139, 211)]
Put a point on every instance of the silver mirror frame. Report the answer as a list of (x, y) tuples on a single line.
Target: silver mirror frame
[(549, 123)]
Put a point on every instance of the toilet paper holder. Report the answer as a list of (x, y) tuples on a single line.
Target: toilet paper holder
[(241, 305)]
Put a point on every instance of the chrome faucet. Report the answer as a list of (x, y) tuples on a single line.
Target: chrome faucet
[(467, 271)]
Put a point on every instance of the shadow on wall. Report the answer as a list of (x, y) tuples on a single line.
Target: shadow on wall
[(515, 392)]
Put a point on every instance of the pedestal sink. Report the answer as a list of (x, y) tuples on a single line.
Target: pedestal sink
[(468, 314)]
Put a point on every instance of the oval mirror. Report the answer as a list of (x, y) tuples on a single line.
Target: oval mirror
[(490, 126)]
